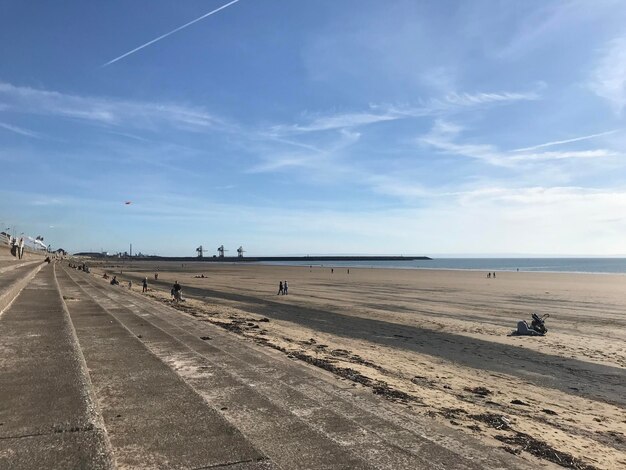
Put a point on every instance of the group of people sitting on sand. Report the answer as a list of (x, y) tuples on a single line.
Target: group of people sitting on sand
[(80, 267)]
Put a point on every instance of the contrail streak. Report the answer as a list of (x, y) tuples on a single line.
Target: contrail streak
[(168, 34), (559, 142)]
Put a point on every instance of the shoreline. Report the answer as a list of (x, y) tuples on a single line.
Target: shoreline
[(417, 268), (606, 266)]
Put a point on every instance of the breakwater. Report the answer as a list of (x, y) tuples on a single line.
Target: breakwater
[(260, 259)]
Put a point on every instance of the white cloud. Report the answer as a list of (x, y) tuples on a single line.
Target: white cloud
[(469, 99), (608, 80), (600, 153), (20, 130), (105, 111), (443, 137), (450, 103), (320, 160)]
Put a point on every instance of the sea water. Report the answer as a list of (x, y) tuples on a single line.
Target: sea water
[(561, 265)]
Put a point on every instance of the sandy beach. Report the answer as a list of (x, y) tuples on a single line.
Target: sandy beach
[(435, 342)]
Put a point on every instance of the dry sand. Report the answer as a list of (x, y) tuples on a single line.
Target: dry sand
[(436, 342)]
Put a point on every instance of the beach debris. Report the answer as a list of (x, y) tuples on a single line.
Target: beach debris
[(524, 442), (482, 391), (452, 413), (474, 427), (205, 338), (549, 412), (379, 387), (265, 320), (340, 352), (383, 388), (510, 450), (232, 327), (494, 420), (519, 402)]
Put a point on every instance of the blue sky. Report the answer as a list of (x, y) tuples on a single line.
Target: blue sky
[(309, 127)]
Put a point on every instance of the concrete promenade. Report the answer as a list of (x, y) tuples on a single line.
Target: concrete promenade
[(93, 376)]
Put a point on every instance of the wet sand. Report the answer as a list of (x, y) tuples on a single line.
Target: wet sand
[(436, 342)]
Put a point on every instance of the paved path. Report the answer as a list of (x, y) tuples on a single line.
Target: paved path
[(47, 415)]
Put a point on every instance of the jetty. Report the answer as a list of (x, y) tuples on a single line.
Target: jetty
[(259, 259)]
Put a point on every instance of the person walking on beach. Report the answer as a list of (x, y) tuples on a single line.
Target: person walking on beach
[(20, 247), (280, 288), (494, 275), (177, 290), (145, 285), (13, 244), (285, 288)]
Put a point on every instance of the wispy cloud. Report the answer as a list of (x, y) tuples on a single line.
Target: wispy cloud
[(20, 130), (599, 153), (444, 135), (452, 102), (107, 111), (315, 159), (169, 33), (608, 80), (469, 99), (567, 141)]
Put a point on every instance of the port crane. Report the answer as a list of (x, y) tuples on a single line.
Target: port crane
[(200, 251), (240, 252), (220, 251)]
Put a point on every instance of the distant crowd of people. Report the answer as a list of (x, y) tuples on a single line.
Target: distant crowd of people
[(176, 290), (80, 267)]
